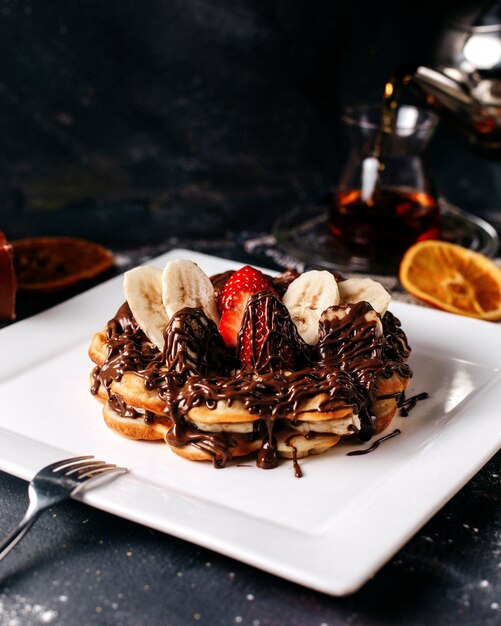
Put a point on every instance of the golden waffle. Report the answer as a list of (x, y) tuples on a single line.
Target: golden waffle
[(193, 395)]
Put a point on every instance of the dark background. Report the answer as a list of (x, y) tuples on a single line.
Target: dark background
[(130, 121)]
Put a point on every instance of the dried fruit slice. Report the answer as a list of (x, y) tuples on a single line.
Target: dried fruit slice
[(46, 264), (453, 278), (7, 280)]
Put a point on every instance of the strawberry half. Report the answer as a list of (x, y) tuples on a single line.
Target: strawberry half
[(268, 339), (255, 332), (238, 289)]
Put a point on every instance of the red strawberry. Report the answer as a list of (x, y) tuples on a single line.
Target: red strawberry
[(268, 340), (242, 284), (254, 334), (229, 325), (238, 289)]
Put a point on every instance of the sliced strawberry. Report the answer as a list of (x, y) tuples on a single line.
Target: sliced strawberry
[(229, 325), (242, 284), (238, 289), (254, 334), (268, 340)]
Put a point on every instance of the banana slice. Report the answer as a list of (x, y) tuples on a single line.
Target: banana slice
[(143, 292), (358, 289), (306, 299), (184, 284)]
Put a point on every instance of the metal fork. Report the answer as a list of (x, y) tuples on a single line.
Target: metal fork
[(52, 485)]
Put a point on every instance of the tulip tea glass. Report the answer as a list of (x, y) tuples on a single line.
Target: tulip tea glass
[(385, 200)]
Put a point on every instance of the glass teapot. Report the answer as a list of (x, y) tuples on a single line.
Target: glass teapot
[(465, 87)]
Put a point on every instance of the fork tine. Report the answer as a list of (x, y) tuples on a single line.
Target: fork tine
[(51, 486), (60, 464), (76, 467), (108, 469), (94, 470)]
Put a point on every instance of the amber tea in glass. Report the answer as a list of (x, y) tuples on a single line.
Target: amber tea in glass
[(385, 200), (392, 219)]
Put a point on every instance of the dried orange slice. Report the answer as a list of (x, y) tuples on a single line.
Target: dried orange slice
[(453, 278), (46, 264)]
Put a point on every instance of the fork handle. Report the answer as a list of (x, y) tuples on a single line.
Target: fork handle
[(19, 531)]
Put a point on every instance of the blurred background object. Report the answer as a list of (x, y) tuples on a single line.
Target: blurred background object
[(7, 280), (48, 264), (465, 84), (130, 122)]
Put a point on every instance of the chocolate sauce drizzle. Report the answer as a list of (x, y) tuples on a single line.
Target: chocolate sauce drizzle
[(352, 338), (375, 445), (270, 338), (297, 469), (395, 346), (195, 368), (119, 406), (407, 404)]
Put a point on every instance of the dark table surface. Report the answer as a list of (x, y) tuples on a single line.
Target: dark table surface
[(81, 566)]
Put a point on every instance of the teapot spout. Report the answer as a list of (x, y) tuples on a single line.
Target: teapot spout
[(470, 103), (443, 89)]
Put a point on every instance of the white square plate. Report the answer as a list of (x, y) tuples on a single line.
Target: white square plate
[(332, 529)]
